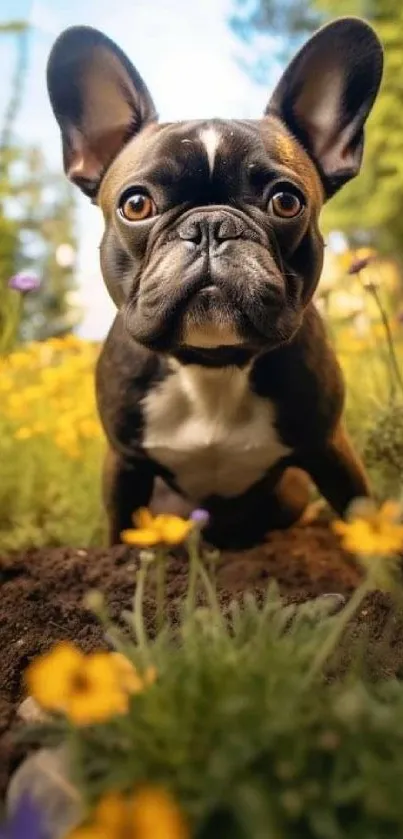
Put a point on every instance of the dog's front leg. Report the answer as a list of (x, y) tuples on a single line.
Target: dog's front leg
[(127, 486), (337, 471)]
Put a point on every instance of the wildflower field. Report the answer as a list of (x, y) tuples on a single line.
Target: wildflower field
[(51, 445)]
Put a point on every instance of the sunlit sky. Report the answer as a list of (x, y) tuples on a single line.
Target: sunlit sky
[(189, 59)]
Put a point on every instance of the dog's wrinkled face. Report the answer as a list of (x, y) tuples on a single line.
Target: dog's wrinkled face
[(211, 228), (211, 234)]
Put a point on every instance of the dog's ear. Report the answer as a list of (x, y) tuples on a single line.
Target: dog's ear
[(99, 101), (326, 94)]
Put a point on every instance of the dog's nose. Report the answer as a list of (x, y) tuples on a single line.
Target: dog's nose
[(210, 229)]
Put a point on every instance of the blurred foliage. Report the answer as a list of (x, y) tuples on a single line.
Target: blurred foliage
[(51, 445), (36, 216), (383, 450), (365, 324), (376, 196), (43, 209)]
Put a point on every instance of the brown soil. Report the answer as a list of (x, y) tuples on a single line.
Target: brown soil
[(41, 595)]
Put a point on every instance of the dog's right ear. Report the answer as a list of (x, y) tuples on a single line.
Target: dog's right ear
[(99, 100), (326, 95)]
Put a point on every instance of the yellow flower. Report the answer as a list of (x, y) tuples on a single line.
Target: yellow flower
[(87, 688), (39, 427), (16, 400), (365, 253), (89, 427), (108, 822), (19, 360), (372, 531), (154, 813), (148, 814), (23, 433), (152, 530)]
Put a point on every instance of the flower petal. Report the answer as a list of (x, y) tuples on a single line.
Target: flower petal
[(127, 674), (340, 527), (129, 678), (27, 822), (96, 707), (173, 529), (143, 519), (145, 538), (153, 813), (48, 678), (111, 813), (391, 511)]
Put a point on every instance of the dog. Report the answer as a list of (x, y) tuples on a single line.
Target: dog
[(217, 377)]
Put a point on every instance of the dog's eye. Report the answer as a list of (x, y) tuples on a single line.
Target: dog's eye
[(285, 204), (136, 206)]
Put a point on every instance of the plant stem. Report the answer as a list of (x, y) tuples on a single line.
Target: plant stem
[(138, 617), (371, 288), (8, 338), (209, 589), (196, 568), (334, 636), (193, 551), (161, 563)]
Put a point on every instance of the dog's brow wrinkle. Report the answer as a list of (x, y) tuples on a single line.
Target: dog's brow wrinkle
[(211, 140)]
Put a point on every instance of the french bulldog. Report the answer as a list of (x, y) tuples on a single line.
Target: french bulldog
[(217, 376)]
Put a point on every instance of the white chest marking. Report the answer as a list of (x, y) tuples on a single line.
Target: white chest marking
[(211, 140), (211, 431)]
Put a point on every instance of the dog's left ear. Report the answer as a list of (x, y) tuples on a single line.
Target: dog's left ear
[(326, 94), (99, 100)]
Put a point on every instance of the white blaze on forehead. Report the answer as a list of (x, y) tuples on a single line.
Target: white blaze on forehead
[(211, 140)]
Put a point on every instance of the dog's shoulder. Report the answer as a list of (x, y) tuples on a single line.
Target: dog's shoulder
[(125, 371), (123, 362), (305, 381)]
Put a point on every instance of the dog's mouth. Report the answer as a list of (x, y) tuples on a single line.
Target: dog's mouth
[(204, 314), (187, 300), (198, 310)]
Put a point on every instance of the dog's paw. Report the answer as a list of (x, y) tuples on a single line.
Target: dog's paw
[(315, 511)]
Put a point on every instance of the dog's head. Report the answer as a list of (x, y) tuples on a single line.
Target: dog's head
[(211, 227)]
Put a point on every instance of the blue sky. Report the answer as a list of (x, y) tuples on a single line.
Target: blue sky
[(188, 57)]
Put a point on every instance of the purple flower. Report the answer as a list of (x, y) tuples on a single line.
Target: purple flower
[(25, 823), (23, 282), (200, 517)]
